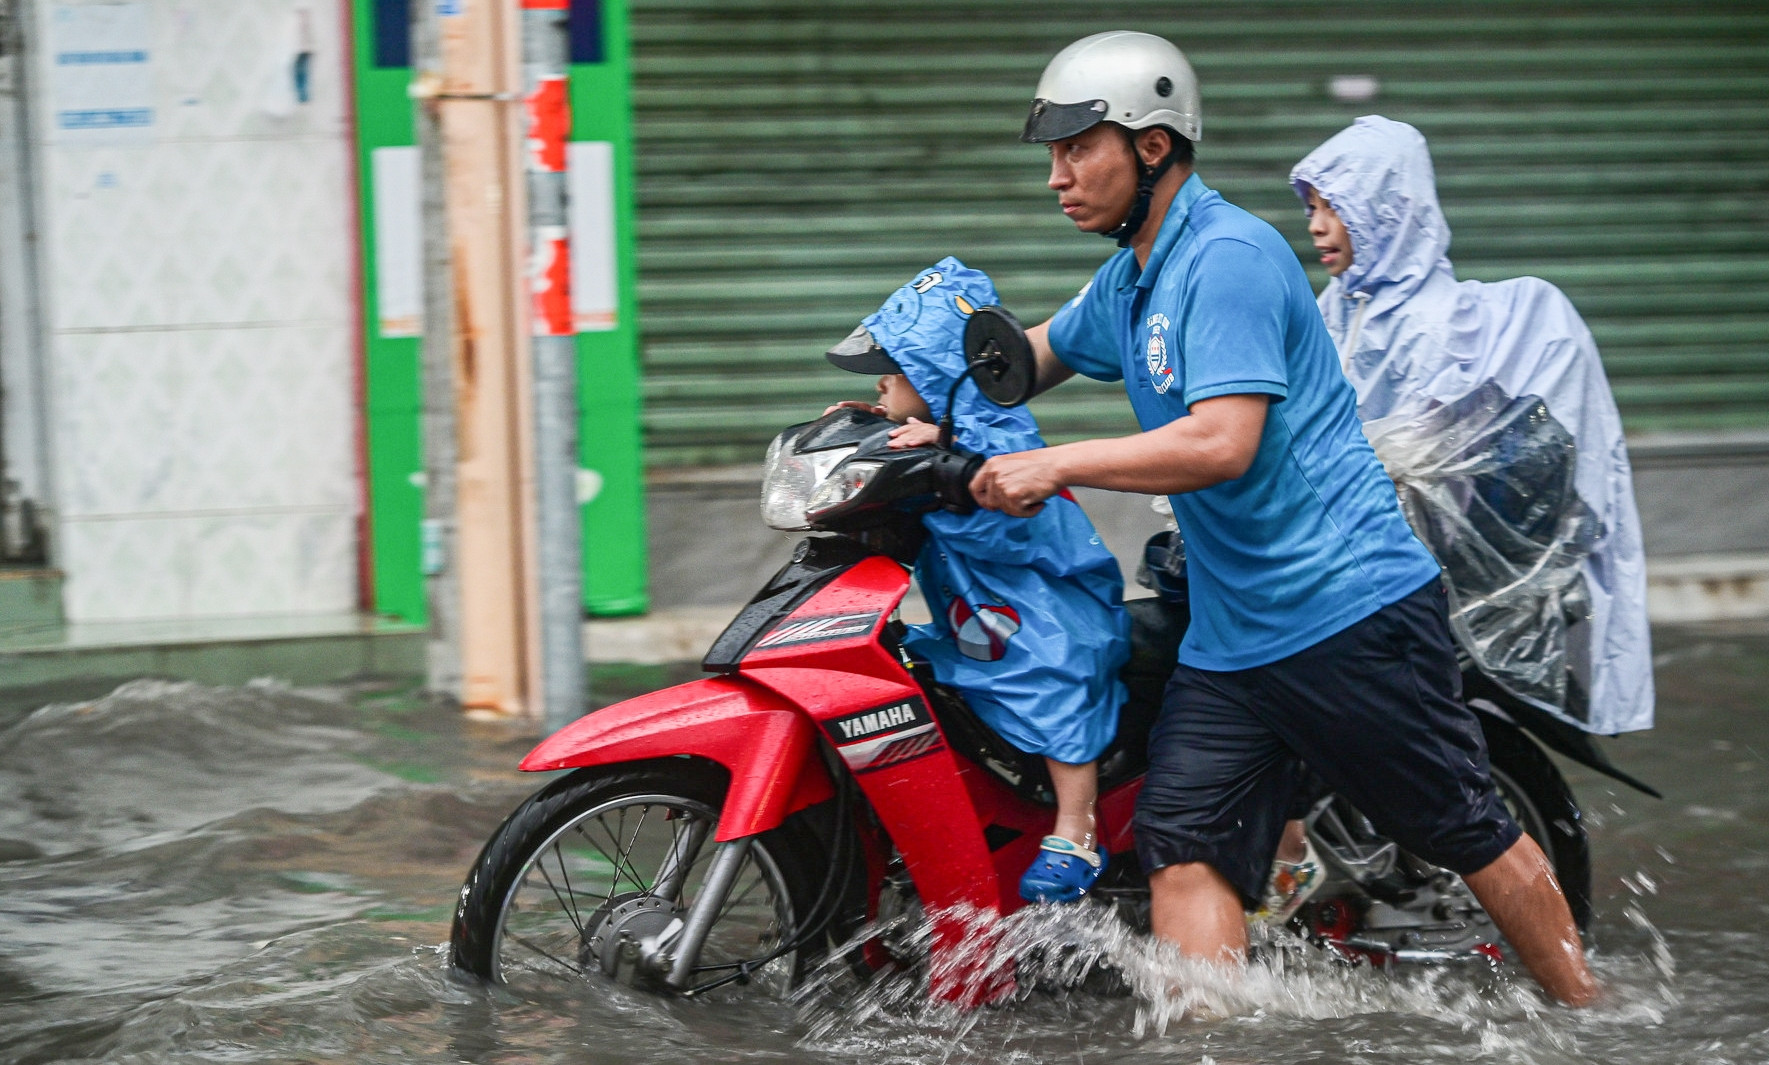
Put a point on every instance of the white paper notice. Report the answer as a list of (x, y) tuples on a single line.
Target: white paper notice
[(595, 268), (101, 78), (399, 242)]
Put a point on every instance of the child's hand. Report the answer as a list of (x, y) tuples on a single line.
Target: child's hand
[(857, 404), (915, 433)]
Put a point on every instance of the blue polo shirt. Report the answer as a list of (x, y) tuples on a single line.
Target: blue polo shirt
[(1311, 538)]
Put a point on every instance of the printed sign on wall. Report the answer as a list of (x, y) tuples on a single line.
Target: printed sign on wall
[(101, 78), (595, 276), (399, 276), (399, 242)]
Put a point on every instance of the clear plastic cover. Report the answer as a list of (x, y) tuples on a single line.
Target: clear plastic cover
[(1487, 482)]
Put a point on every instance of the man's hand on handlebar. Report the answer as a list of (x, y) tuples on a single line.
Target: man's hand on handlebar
[(915, 433), (1016, 484)]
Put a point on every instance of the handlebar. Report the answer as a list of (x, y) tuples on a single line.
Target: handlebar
[(953, 471)]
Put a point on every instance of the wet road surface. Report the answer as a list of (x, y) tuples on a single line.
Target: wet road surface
[(261, 874)]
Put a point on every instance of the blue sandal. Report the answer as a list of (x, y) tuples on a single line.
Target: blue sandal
[(1064, 871)]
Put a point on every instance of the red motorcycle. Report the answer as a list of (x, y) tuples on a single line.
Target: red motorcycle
[(737, 829)]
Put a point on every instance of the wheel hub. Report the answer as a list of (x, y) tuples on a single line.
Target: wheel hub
[(626, 936)]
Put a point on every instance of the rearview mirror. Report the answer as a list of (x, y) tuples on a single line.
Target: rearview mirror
[(999, 357)]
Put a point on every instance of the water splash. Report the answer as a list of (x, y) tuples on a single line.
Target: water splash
[(1084, 960)]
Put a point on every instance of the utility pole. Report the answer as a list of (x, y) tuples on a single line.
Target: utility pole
[(503, 540), (442, 585), (546, 58)]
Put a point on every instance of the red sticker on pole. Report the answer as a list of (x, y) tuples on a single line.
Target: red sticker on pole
[(546, 5), (550, 282), (549, 124)]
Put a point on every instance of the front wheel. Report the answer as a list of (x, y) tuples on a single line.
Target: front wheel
[(595, 874)]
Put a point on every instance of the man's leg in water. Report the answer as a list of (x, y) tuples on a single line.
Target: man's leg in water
[(1077, 795), (1195, 909), (1522, 897)]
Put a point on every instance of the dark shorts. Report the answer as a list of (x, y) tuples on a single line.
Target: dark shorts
[(1376, 713)]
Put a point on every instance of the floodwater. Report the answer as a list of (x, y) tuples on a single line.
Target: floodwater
[(262, 874)]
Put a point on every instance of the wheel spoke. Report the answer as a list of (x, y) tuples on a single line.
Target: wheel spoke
[(569, 910), (577, 919), (550, 956), (621, 864), (614, 862), (633, 841)]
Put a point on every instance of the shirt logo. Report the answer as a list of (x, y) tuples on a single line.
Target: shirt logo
[(1160, 370)]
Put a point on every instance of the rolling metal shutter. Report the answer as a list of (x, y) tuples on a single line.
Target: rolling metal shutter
[(800, 159)]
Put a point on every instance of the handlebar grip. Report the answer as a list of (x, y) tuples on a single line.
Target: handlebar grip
[(953, 470)]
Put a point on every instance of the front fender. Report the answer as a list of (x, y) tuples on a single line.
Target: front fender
[(766, 743)]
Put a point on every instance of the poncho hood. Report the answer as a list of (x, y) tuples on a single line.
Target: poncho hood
[(921, 327), (1377, 176)]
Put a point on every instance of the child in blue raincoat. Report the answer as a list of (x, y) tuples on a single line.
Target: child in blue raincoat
[(1029, 621)]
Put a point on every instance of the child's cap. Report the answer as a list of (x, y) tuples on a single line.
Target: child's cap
[(919, 332), (861, 353)]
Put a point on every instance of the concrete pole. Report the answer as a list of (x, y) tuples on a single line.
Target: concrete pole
[(546, 58), (439, 544)]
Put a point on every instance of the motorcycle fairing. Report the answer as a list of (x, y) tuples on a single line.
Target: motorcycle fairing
[(816, 561), (924, 806), (837, 627), (852, 679), (917, 794), (760, 738)]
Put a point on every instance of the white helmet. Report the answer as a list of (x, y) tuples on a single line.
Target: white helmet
[(1137, 80)]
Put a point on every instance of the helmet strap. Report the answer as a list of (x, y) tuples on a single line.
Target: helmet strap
[(1146, 178)]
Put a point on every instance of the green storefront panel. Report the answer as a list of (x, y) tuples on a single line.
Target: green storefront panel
[(390, 372), (608, 353), (799, 159)]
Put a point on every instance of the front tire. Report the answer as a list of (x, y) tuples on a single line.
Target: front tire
[(590, 867)]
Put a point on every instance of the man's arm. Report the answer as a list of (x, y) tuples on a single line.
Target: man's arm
[(1216, 443), (1051, 370)]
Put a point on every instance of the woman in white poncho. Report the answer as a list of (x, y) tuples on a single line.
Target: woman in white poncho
[(1489, 405)]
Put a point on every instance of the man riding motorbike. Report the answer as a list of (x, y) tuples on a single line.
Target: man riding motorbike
[(1318, 627)]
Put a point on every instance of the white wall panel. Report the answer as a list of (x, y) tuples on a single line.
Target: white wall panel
[(201, 341)]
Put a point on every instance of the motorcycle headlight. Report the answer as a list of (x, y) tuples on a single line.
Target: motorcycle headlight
[(790, 477), (840, 487)]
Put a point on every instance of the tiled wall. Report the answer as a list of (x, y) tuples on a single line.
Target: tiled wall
[(200, 304)]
